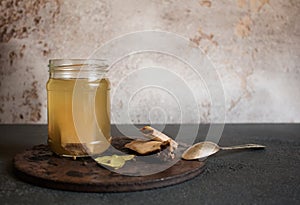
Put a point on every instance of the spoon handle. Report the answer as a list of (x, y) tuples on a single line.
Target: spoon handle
[(245, 146)]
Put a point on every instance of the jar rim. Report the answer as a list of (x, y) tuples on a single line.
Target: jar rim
[(96, 63)]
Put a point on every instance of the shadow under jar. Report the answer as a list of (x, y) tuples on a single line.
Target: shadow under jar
[(78, 107)]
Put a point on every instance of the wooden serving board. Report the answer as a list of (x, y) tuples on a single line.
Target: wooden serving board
[(40, 166)]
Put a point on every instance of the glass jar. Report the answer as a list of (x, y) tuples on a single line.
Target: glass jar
[(78, 107)]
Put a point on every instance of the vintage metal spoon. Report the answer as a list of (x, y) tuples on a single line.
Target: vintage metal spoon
[(206, 148)]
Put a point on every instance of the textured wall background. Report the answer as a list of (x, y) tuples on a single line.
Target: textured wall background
[(255, 45)]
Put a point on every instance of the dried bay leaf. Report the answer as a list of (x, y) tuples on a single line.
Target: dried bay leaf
[(114, 161)]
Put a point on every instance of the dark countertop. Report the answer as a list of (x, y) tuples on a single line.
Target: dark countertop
[(268, 176)]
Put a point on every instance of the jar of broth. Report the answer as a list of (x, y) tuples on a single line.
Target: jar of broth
[(78, 107)]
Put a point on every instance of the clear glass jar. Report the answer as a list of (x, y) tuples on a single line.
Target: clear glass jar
[(78, 107)]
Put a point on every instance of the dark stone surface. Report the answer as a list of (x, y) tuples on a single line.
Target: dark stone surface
[(268, 176)]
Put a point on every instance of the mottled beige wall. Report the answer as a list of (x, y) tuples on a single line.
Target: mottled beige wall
[(255, 45)]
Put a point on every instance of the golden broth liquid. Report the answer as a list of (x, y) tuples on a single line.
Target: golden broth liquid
[(78, 122)]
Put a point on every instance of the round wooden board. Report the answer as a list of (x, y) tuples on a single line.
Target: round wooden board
[(40, 166)]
